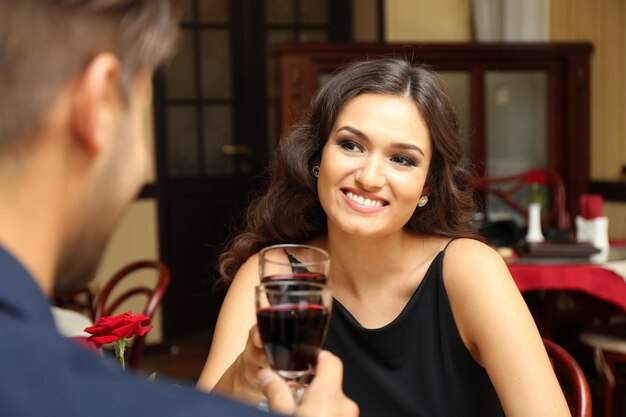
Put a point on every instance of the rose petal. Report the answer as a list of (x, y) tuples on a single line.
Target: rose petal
[(111, 328), (104, 339)]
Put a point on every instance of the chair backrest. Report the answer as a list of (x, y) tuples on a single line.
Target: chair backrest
[(81, 300), (571, 378), (107, 304), (509, 188)]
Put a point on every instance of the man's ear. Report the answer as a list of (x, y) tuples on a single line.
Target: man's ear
[(95, 97)]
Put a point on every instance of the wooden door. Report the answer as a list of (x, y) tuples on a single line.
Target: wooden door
[(214, 133)]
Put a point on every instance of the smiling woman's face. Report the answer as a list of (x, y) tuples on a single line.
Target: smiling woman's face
[(374, 165)]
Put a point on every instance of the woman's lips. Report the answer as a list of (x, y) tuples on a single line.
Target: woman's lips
[(363, 203)]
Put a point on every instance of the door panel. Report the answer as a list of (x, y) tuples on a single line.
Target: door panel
[(214, 126)]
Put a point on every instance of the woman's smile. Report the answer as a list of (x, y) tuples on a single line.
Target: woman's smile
[(365, 203)]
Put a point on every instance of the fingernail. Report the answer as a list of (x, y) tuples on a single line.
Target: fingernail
[(265, 376)]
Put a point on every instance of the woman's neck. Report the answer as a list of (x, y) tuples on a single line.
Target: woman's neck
[(374, 277), (366, 263)]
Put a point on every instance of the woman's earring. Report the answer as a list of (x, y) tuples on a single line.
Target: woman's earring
[(316, 171), (422, 201)]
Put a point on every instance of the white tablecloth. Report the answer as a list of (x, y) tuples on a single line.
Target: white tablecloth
[(70, 323)]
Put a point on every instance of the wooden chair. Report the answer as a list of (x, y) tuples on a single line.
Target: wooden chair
[(609, 345), (107, 304), (571, 378), (511, 189), (81, 300)]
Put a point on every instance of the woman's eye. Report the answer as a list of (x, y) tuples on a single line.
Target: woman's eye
[(404, 160), (349, 145)]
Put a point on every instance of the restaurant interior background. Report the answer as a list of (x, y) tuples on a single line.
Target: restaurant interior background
[(212, 126)]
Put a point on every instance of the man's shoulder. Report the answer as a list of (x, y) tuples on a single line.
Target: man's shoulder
[(44, 374)]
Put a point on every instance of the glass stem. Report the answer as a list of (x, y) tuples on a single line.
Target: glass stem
[(297, 390)]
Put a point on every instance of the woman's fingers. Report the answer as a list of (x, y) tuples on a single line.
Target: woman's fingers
[(277, 392), (323, 398), (254, 355), (255, 337)]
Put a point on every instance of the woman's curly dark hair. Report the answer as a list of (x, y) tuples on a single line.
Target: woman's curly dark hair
[(290, 210)]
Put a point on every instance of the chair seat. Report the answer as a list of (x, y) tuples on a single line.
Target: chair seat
[(609, 345), (606, 338)]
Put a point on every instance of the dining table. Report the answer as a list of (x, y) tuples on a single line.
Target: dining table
[(605, 281)]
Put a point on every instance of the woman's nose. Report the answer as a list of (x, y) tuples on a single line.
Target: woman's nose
[(370, 175)]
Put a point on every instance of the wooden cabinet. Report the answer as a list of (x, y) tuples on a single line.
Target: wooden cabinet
[(519, 103)]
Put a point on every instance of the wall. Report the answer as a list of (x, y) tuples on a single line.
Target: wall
[(603, 22), (364, 20), (427, 20), (135, 238)]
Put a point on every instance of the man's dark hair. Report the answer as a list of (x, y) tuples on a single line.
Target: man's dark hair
[(45, 43)]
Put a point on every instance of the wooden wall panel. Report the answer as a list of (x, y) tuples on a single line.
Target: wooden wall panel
[(616, 212), (427, 21), (602, 22)]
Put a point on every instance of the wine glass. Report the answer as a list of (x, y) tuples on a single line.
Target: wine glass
[(293, 318), (293, 262)]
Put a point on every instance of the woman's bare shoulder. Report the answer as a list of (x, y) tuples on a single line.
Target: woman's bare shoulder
[(471, 250), (469, 263), (482, 295), (247, 275)]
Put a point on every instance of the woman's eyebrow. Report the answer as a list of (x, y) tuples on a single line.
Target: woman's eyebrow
[(398, 145), (408, 146), (354, 131)]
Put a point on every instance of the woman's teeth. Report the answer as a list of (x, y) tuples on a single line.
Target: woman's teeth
[(362, 201)]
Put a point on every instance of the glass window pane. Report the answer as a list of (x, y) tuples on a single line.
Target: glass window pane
[(217, 133), (182, 158), (457, 86), (516, 129), (313, 36), (214, 11), (516, 121), (279, 11), (215, 45), (179, 73), (273, 38), (313, 12)]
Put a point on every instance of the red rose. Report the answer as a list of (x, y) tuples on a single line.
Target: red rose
[(535, 177), (111, 328)]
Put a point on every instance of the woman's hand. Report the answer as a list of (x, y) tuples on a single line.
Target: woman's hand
[(241, 379), (323, 398)]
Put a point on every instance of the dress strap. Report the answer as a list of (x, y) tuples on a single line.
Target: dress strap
[(448, 244), (296, 265)]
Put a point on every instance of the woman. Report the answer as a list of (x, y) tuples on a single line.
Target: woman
[(426, 318)]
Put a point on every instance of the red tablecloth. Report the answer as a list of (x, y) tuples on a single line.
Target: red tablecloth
[(589, 278)]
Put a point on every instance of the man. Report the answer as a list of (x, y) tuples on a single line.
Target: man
[(74, 86)]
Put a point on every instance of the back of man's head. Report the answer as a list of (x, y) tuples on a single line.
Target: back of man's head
[(44, 44)]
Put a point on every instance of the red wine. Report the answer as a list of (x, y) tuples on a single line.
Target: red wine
[(315, 277), (292, 335)]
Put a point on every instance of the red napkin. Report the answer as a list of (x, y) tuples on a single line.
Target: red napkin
[(590, 206)]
